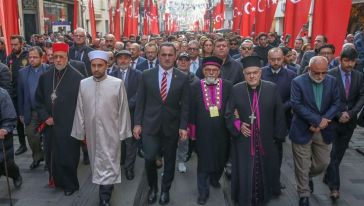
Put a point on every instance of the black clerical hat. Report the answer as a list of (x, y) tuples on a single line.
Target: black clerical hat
[(212, 60), (251, 61)]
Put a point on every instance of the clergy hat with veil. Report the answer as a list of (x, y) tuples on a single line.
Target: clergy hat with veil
[(251, 61), (212, 60), (97, 54)]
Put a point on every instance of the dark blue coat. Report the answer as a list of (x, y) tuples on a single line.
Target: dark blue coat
[(145, 65), (305, 111), (283, 81), (23, 93)]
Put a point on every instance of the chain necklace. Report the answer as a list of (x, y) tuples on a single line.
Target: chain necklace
[(55, 87), (252, 117)]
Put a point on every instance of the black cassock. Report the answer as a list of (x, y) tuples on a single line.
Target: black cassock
[(63, 150), (212, 135), (272, 127)]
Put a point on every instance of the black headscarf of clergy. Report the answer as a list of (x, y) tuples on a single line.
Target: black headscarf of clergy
[(251, 61), (212, 60)]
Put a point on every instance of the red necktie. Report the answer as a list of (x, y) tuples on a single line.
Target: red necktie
[(164, 87)]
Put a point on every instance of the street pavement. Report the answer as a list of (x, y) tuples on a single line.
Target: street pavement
[(34, 191)]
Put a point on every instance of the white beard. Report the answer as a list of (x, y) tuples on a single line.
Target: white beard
[(211, 80), (316, 81)]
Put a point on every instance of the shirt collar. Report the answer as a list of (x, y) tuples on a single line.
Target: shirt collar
[(161, 70), (342, 72)]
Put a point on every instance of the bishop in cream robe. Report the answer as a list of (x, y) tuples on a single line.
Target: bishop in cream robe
[(102, 115)]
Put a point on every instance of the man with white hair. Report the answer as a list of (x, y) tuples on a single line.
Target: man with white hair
[(315, 102), (79, 51), (102, 114)]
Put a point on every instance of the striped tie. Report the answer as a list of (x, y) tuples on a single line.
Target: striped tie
[(164, 87)]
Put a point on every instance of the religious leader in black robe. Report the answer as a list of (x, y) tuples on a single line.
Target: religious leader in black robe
[(210, 131), (62, 150), (255, 171)]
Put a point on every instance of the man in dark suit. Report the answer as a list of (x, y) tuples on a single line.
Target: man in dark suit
[(79, 51), (151, 52), (282, 77), (136, 59), (315, 102), (131, 79), (161, 115), (320, 40), (351, 90), (27, 84), (193, 50)]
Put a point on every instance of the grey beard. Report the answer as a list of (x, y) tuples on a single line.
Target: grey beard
[(316, 81), (211, 80)]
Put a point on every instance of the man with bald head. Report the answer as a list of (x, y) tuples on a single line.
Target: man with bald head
[(79, 51), (315, 102), (136, 59), (275, 72), (119, 46), (109, 42)]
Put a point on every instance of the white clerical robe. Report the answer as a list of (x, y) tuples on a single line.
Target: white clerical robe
[(102, 116)]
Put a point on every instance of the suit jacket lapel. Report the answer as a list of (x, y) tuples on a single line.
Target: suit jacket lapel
[(173, 83), (155, 79), (310, 93), (340, 83)]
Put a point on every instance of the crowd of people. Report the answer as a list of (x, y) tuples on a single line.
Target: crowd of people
[(233, 101)]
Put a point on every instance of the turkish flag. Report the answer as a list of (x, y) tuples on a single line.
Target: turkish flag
[(154, 27), (9, 21), (91, 11), (167, 23), (331, 18), (127, 17), (237, 13), (75, 14), (196, 26), (295, 16), (218, 16), (145, 18), (117, 21), (111, 23), (206, 21), (135, 18), (264, 15), (248, 17)]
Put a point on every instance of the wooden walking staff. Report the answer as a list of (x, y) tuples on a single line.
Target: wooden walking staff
[(6, 173)]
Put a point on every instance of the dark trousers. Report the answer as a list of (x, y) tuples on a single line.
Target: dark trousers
[(339, 146), (13, 169), (203, 178), (130, 153), (105, 192), (152, 146), (20, 131), (34, 139), (279, 146)]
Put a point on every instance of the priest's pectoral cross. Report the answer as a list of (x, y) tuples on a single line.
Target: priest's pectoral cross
[(252, 117)]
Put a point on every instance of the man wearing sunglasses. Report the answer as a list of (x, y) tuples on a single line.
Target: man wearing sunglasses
[(245, 49), (315, 102)]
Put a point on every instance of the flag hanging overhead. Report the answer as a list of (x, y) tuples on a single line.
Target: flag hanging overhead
[(92, 18), (295, 17), (331, 18), (9, 15), (264, 15), (219, 15), (237, 14), (75, 14), (117, 21)]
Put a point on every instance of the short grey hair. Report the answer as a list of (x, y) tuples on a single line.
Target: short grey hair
[(317, 60), (80, 30)]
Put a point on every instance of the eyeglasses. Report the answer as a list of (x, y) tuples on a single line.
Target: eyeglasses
[(233, 44), (79, 36), (319, 73), (325, 53), (246, 48), (193, 49)]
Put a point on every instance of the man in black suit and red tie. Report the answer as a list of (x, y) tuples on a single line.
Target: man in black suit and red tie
[(161, 115)]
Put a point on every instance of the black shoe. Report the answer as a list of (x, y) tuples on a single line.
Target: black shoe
[(69, 192), (304, 201), (310, 184), (21, 150), (129, 174), (35, 164), (86, 160), (18, 182), (152, 195), (202, 199), (104, 203), (140, 153), (164, 198), (215, 183)]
